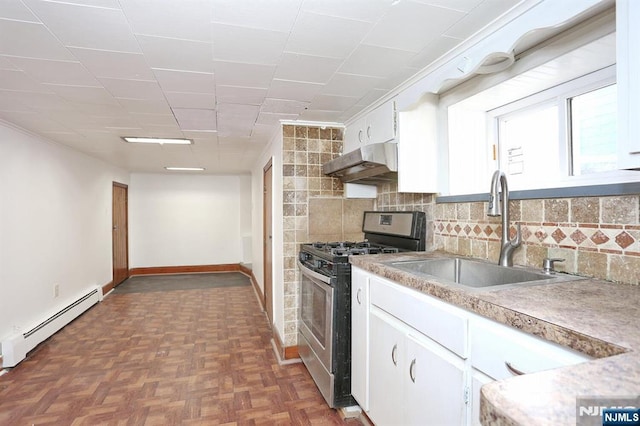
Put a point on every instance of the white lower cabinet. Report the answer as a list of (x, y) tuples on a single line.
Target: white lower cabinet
[(414, 380), (387, 351), (417, 360), (360, 337), (477, 380)]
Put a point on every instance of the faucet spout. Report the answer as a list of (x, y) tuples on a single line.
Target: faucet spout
[(495, 208)]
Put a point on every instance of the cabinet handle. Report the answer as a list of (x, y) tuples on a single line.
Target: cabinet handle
[(394, 354), (360, 135), (513, 370), (412, 370), (369, 132), (358, 296)]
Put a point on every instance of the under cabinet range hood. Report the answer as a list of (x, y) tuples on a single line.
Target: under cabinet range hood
[(370, 164)]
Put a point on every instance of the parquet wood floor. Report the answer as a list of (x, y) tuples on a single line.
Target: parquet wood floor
[(185, 357)]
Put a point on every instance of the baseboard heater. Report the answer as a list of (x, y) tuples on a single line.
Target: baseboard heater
[(16, 347)]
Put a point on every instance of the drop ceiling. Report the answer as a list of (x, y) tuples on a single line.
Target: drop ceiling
[(85, 73)]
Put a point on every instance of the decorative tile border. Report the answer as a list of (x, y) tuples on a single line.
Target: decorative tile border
[(614, 239)]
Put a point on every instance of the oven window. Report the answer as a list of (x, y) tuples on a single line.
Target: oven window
[(314, 309)]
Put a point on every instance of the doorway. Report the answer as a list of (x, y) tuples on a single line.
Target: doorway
[(120, 232), (267, 239)]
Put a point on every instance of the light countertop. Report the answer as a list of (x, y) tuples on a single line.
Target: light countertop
[(598, 318)]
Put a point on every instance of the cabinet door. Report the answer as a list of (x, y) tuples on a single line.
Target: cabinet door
[(435, 384), (477, 380), (360, 337), (387, 355), (354, 135), (628, 67), (381, 123)]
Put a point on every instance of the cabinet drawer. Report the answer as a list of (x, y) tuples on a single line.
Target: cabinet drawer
[(495, 346), (441, 322)]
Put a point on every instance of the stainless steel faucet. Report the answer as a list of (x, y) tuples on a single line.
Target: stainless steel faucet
[(507, 246)]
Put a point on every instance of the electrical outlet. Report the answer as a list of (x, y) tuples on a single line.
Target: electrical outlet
[(56, 290)]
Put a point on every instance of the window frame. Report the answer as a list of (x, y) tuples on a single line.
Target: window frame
[(560, 95)]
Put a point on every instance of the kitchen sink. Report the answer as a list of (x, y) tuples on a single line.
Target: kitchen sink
[(476, 274)]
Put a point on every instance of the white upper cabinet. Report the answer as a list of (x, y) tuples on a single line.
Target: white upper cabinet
[(418, 153), (379, 126), (628, 69)]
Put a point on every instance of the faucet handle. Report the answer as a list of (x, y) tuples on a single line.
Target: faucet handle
[(548, 264)]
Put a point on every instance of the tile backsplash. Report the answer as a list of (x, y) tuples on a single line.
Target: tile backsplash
[(597, 236), (313, 205)]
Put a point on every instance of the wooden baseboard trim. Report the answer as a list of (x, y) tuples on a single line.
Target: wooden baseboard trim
[(187, 269), (291, 352), (285, 352), (107, 287), (248, 272)]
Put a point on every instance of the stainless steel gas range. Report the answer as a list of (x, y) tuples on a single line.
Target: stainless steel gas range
[(324, 324)]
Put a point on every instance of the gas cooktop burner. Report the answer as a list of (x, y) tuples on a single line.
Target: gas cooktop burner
[(347, 248)]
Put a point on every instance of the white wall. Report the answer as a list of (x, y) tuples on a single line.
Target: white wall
[(272, 152), (55, 226), (246, 208), (186, 219)]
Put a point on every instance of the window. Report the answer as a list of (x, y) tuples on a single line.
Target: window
[(550, 121), (594, 131), (560, 134)]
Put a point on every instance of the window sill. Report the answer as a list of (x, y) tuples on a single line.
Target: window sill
[(613, 189)]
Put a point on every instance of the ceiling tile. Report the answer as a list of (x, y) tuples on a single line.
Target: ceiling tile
[(283, 106), (107, 64), (30, 40), (191, 100), (434, 50), (83, 94), (294, 90), (133, 89), (321, 35), (5, 64), (111, 4), (247, 113), (154, 119), (19, 81), (270, 15), (350, 85), (314, 69), (320, 115), (188, 20), (174, 54), (405, 28), (333, 102), (16, 10), (479, 17), (141, 106), (376, 61), (362, 10), (56, 72), (241, 95), (196, 119), (273, 119), (185, 81), (38, 101), (86, 26), (248, 75), (239, 44), (461, 5)]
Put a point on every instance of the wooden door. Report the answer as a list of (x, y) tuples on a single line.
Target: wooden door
[(268, 241), (120, 233)]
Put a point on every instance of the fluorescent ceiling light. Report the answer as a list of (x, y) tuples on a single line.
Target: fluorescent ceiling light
[(161, 141), (185, 169)]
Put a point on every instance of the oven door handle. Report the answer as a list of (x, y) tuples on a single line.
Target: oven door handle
[(314, 274)]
